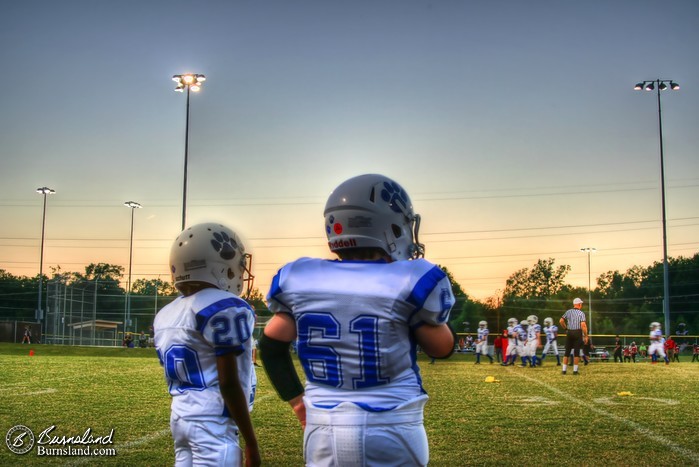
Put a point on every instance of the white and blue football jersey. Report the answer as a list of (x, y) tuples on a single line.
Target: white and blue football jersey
[(483, 334), (521, 333), (354, 322), (532, 331), (657, 336), (190, 333), (551, 333), (511, 338)]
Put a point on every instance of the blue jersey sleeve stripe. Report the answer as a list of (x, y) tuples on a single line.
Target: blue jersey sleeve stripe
[(275, 290), (424, 286), (205, 314)]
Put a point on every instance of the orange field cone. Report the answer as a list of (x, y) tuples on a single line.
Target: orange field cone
[(31, 353)]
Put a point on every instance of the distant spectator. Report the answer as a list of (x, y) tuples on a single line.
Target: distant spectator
[(27, 338), (497, 345), (634, 351), (627, 354), (672, 350), (643, 350), (586, 350), (695, 356), (617, 349), (143, 340), (128, 340), (504, 346)]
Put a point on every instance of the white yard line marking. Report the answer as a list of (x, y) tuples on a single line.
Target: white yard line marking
[(18, 391), (688, 453)]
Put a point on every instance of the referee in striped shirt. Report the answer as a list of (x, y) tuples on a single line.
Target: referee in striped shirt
[(573, 321)]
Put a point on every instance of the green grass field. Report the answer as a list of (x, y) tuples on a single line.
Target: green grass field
[(533, 416)]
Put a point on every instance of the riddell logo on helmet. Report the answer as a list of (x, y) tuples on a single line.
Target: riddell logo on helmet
[(183, 277), (337, 244)]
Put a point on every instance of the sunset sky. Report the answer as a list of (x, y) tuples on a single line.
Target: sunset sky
[(513, 125)]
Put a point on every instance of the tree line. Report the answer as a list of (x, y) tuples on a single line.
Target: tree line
[(622, 302)]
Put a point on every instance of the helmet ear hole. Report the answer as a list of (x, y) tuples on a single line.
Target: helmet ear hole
[(231, 274), (397, 231)]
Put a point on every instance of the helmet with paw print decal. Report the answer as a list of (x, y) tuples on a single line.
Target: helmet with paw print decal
[(373, 211), (214, 254)]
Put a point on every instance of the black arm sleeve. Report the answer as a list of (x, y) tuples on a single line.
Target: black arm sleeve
[(280, 369)]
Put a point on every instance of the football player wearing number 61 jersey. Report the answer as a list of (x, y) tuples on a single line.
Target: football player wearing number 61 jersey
[(204, 342), (357, 322)]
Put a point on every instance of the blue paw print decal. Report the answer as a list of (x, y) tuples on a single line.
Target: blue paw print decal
[(395, 196), (224, 245)]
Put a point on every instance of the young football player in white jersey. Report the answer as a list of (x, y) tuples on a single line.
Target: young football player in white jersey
[(551, 331), (204, 342), (482, 342), (357, 321), (657, 344), (521, 332), (511, 354), (533, 339)]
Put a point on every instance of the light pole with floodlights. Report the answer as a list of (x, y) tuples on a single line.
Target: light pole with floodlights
[(650, 86), (127, 318), (191, 82), (44, 191), (589, 250)]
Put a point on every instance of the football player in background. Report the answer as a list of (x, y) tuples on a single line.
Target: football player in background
[(358, 321), (204, 342), (482, 342), (521, 332), (511, 351), (551, 331), (657, 343), (533, 342)]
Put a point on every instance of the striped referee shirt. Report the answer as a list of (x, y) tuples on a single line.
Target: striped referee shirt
[(573, 319)]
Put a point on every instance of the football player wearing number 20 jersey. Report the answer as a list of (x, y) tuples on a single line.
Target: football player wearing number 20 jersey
[(204, 342), (357, 322)]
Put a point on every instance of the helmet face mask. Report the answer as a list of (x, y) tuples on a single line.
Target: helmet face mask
[(482, 324), (532, 319), (548, 322), (213, 254), (373, 211)]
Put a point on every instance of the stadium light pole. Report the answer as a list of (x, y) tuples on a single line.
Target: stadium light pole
[(650, 86), (39, 314), (127, 318), (190, 82), (589, 250)]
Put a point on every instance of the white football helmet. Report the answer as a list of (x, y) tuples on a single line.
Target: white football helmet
[(512, 322), (548, 322), (373, 211), (654, 325), (532, 319), (524, 322), (214, 254), (482, 324)]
